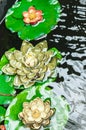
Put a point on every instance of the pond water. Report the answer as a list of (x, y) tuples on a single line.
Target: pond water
[(70, 38)]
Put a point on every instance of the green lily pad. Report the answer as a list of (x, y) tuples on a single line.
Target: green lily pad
[(14, 18), (6, 89), (58, 120), (2, 113)]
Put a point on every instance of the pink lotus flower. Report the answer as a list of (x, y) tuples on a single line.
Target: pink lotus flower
[(32, 16), (2, 127)]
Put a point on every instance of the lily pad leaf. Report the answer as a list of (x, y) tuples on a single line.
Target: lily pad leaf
[(2, 113), (58, 120), (33, 25), (7, 90)]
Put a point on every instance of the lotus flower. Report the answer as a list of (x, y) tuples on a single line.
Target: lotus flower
[(2, 127), (31, 64), (32, 16), (32, 19), (36, 113)]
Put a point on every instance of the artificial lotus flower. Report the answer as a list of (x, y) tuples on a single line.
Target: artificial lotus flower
[(32, 16), (36, 113), (2, 127), (32, 19), (37, 108), (31, 64)]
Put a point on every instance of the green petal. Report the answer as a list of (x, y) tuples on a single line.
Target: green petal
[(58, 120)]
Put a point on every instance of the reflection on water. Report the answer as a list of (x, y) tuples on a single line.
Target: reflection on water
[(70, 38)]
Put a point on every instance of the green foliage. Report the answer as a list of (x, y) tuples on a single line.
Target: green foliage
[(2, 113), (6, 89), (14, 18), (58, 120), (3, 61), (57, 53)]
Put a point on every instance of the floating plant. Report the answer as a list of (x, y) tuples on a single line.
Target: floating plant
[(32, 16), (2, 127), (7, 90), (36, 113), (32, 19), (31, 67), (31, 64), (39, 108)]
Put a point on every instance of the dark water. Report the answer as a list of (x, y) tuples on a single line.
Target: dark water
[(70, 38)]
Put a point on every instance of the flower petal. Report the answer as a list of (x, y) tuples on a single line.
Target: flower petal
[(46, 122), (42, 46), (20, 72), (38, 120), (9, 70), (43, 115), (47, 107), (18, 55), (17, 81), (36, 126), (31, 10), (38, 12), (26, 46), (15, 23), (25, 14), (26, 20), (9, 55), (28, 84), (15, 64), (52, 64)]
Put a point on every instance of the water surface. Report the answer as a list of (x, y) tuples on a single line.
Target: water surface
[(70, 38)]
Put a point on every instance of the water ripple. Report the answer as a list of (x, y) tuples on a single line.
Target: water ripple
[(69, 37)]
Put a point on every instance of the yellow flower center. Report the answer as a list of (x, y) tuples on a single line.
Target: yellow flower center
[(32, 16), (36, 113)]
